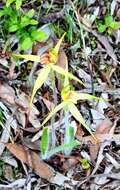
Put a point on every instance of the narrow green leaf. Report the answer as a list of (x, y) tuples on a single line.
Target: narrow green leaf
[(69, 137), (55, 110), (9, 2), (44, 145), (42, 76), (18, 4), (62, 148), (61, 71), (70, 133), (28, 57), (77, 115)]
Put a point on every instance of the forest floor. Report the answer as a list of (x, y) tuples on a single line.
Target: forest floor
[(60, 94)]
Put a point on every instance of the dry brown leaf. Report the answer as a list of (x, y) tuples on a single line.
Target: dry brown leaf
[(79, 133), (103, 128), (7, 94), (23, 104), (41, 168), (31, 159), (11, 70), (48, 103), (69, 163), (32, 145), (8, 172), (62, 62), (104, 41)]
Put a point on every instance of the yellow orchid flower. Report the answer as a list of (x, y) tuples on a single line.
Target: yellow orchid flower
[(44, 72)]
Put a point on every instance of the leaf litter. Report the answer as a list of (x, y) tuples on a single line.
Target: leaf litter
[(93, 60)]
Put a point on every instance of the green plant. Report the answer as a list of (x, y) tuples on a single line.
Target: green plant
[(17, 2), (69, 99), (70, 22), (22, 24), (46, 70), (107, 25), (45, 143), (85, 164)]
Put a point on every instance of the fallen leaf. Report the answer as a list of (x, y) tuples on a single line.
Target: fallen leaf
[(8, 173), (103, 128), (22, 103), (113, 160), (4, 138), (48, 103), (31, 145), (104, 41), (11, 70), (7, 94), (51, 17), (79, 133), (62, 62), (19, 183), (25, 156), (69, 163), (41, 168)]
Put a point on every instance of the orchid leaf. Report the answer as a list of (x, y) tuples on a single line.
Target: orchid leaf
[(61, 71), (77, 115), (44, 145), (42, 76), (60, 148), (69, 137), (28, 57), (54, 111)]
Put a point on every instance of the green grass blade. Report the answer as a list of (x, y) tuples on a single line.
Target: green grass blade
[(77, 115), (54, 111), (28, 57), (61, 71), (42, 76)]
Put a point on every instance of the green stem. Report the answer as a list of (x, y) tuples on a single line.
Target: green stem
[(55, 103)]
